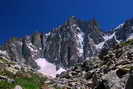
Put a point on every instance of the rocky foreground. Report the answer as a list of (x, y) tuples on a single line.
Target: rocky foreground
[(113, 69), (14, 76)]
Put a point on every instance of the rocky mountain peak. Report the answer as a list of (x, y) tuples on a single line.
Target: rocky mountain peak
[(72, 19), (89, 56), (93, 22), (129, 22), (68, 44)]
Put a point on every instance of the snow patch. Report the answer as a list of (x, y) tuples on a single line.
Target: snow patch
[(107, 37), (3, 52), (60, 71), (31, 47), (40, 48), (116, 39), (74, 25), (100, 45), (80, 43), (79, 35), (130, 37), (48, 68), (110, 37), (47, 34), (119, 26)]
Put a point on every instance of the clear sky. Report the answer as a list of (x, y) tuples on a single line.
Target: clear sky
[(21, 17)]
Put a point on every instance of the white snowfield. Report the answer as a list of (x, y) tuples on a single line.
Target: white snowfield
[(48, 69), (3, 52)]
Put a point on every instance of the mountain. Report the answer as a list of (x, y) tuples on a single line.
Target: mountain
[(68, 44), (75, 55)]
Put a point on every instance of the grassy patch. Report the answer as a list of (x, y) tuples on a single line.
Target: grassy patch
[(3, 60), (26, 82), (29, 83), (129, 42), (6, 85)]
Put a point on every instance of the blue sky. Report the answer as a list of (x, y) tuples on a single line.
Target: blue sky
[(21, 17)]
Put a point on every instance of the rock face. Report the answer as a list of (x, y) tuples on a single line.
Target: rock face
[(111, 70), (68, 44)]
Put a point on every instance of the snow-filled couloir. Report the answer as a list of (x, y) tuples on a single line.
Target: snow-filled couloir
[(48, 68)]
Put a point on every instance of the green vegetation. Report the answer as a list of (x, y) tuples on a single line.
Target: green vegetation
[(129, 42), (127, 67), (33, 82), (25, 80), (6, 85), (3, 60), (4, 72)]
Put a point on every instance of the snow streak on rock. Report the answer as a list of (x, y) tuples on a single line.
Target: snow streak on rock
[(100, 45), (107, 37), (120, 26), (80, 43)]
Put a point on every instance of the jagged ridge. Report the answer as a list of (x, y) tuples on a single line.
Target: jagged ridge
[(71, 43)]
